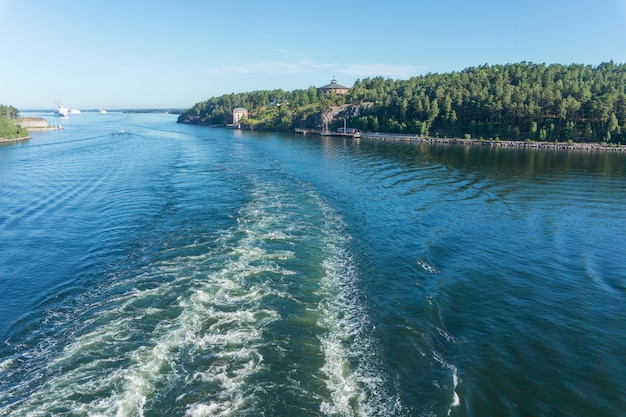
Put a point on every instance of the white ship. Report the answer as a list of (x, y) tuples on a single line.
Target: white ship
[(74, 111), (103, 111), (62, 111)]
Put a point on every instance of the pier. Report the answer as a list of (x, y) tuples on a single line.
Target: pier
[(351, 133)]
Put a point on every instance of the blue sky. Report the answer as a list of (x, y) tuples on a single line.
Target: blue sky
[(157, 54)]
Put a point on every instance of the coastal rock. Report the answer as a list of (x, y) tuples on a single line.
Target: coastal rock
[(36, 124), (332, 113), (33, 122)]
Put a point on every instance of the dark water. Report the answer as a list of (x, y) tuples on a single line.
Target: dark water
[(180, 270)]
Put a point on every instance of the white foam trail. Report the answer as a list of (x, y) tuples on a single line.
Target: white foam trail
[(239, 357), (355, 378), (215, 311), (6, 364), (445, 334), (199, 322), (456, 401), (426, 266)]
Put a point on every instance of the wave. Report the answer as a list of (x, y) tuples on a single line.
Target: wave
[(354, 372), (455, 402), (205, 331)]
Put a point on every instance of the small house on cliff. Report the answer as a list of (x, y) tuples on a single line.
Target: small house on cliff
[(333, 88)]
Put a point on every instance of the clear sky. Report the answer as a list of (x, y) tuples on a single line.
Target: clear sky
[(156, 54)]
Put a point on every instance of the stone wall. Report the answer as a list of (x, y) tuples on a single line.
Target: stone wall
[(32, 122)]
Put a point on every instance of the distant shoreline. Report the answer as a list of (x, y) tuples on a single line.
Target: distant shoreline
[(495, 143), (399, 137)]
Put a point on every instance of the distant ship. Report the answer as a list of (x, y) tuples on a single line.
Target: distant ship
[(62, 111), (103, 111), (74, 111)]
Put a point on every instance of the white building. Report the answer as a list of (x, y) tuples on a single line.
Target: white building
[(238, 114)]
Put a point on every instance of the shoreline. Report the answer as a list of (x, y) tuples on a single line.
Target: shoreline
[(44, 129), (399, 137), (494, 143), (20, 139), (30, 129)]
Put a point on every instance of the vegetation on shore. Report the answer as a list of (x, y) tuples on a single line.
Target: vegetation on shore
[(523, 101), (8, 128)]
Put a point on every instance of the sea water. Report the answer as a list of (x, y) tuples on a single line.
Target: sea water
[(178, 270)]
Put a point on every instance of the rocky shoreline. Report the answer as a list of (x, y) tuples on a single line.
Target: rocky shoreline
[(44, 129), (5, 140), (495, 143), (31, 124)]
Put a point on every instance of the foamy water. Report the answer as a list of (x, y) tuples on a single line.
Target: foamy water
[(189, 271)]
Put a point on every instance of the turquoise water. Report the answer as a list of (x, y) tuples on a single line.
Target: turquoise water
[(188, 271)]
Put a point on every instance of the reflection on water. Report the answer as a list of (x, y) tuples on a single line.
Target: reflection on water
[(515, 161)]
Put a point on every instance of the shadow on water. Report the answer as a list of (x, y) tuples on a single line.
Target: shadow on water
[(529, 163)]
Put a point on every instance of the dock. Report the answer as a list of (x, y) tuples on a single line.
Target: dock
[(350, 133)]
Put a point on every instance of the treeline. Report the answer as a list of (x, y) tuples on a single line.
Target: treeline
[(522, 101), (276, 110), (9, 112), (8, 128)]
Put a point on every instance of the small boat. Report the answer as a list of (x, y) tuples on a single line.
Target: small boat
[(74, 111), (62, 111), (103, 111)]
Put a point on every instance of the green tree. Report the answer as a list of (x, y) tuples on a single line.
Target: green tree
[(10, 130), (510, 101), (570, 130), (9, 112), (613, 124), (533, 130), (588, 134)]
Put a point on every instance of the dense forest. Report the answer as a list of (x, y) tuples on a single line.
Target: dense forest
[(523, 101), (8, 129)]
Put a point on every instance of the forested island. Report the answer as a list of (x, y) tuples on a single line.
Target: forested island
[(519, 102), (9, 130)]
